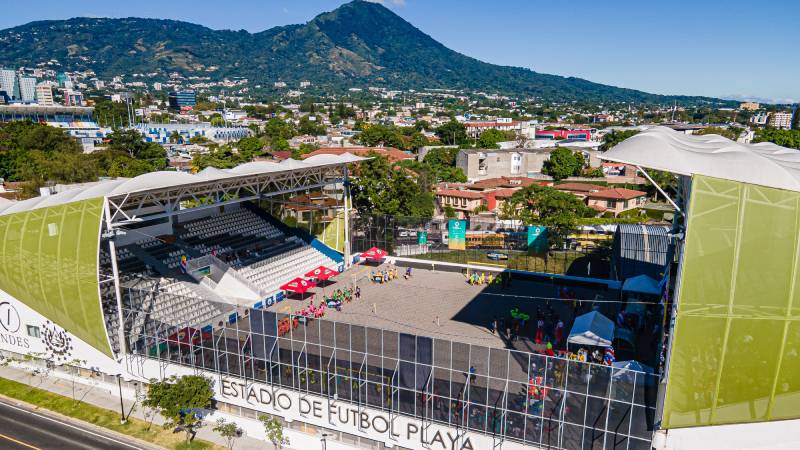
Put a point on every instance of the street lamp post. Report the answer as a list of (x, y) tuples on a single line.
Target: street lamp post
[(121, 405), (324, 441)]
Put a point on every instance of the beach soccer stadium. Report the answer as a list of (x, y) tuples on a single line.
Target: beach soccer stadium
[(387, 333)]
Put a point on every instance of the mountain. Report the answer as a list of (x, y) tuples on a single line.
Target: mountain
[(360, 43)]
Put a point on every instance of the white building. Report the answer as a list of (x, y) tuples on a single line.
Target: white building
[(27, 89), (44, 94), (8, 83), (781, 120)]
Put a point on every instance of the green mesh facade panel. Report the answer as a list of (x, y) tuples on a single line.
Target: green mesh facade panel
[(736, 351), (49, 262)]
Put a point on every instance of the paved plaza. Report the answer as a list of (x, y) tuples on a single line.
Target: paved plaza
[(443, 305)]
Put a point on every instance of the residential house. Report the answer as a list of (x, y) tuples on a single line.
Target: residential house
[(314, 206), (464, 202), (616, 200), (605, 198)]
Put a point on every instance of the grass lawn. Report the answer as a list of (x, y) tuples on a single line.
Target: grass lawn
[(98, 416), (559, 263)]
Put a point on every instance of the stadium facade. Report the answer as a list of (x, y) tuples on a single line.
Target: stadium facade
[(171, 273)]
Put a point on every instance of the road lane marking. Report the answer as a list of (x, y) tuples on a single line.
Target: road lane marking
[(9, 438), (84, 430)]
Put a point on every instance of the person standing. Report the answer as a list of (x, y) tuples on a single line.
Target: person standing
[(559, 333), (539, 331)]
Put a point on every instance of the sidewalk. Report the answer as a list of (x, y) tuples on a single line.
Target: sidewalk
[(107, 397)]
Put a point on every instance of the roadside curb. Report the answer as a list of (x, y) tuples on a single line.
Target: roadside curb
[(79, 423)]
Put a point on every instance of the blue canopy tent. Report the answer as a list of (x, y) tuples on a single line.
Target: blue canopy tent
[(592, 329), (627, 371)]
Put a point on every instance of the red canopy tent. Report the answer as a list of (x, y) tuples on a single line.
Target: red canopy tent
[(321, 273), (374, 254), (298, 285)]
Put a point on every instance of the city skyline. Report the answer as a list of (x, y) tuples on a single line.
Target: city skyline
[(704, 50)]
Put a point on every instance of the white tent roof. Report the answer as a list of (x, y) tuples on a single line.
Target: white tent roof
[(661, 148), (592, 329), (642, 284), (155, 181)]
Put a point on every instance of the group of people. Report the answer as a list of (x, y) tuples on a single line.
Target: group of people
[(388, 274), (548, 331), (503, 279), (311, 310), (341, 296), (479, 279)]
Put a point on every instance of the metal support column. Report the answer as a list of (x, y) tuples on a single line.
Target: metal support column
[(115, 270), (347, 202)]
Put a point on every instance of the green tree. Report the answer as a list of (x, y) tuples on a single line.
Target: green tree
[(175, 138), (615, 137), (274, 431), (784, 138), (178, 401), (277, 128), (542, 205), (250, 147), (378, 189), (311, 127), (796, 119), (228, 430), (452, 133), (730, 133), (303, 149), (490, 138), (665, 180), (563, 163), (278, 144), (449, 212), (133, 143), (217, 121)]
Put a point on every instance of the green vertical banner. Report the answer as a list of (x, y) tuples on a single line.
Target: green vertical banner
[(537, 239), (457, 234), (422, 237)]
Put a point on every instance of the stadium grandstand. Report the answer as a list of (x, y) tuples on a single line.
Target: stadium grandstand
[(171, 273), (77, 121)]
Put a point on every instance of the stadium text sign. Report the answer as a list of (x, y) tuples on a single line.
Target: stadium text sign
[(318, 410)]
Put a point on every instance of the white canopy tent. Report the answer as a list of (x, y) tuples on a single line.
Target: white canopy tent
[(592, 329), (642, 284)]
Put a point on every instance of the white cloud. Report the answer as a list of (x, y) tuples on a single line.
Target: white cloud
[(389, 2)]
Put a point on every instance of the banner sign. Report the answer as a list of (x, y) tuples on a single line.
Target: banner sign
[(537, 239), (457, 234), (375, 424), (422, 237)]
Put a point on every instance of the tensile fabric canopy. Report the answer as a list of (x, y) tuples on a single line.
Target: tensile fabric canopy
[(374, 254), (592, 329), (298, 285), (321, 273)]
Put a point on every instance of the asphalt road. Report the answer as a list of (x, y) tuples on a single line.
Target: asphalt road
[(24, 429)]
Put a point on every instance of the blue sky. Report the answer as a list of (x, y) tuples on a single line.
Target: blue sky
[(700, 47)]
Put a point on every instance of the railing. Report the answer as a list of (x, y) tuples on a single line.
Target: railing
[(549, 401), (223, 267)]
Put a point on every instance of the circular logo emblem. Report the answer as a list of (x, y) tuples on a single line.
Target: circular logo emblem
[(9, 318)]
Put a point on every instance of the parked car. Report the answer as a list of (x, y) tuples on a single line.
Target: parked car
[(497, 256)]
